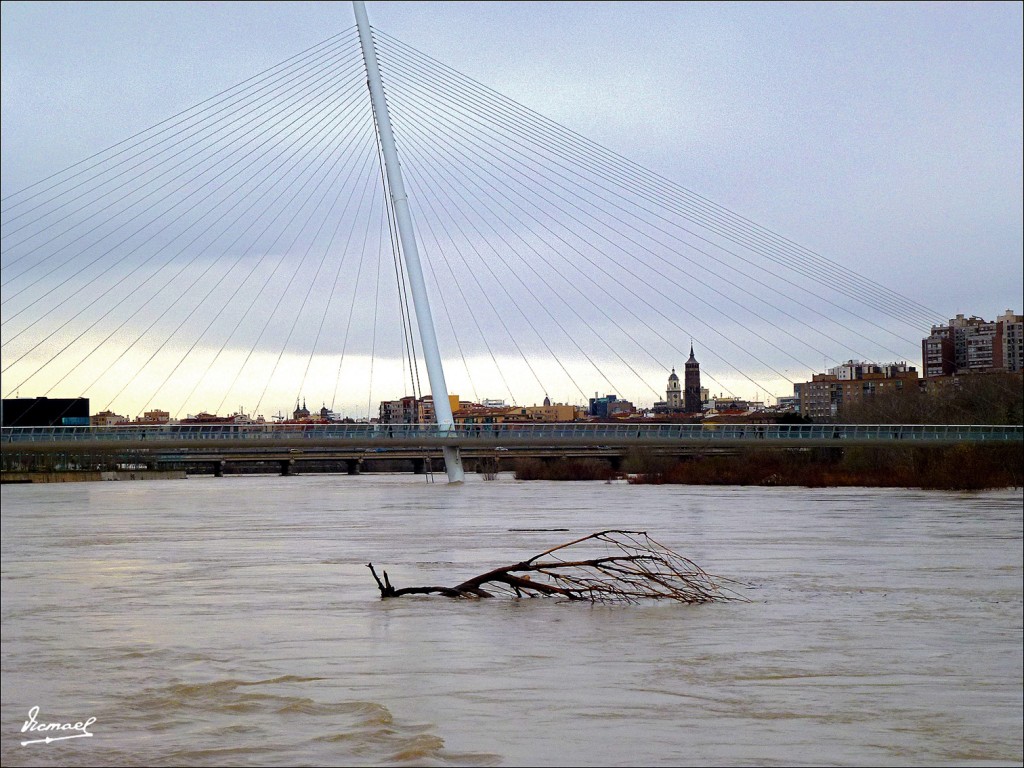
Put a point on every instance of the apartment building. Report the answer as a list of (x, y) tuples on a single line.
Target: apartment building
[(824, 397), (974, 345)]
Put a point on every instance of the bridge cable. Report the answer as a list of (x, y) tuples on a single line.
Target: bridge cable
[(611, 159), (322, 156), (439, 252), (311, 282), (464, 163), (239, 258), (762, 337), (516, 304), (216, 285), (368, 195), (280, 85), (484, 191), (483, 194), (294, 95), (435, 102), (238, 201), (139, 229), (322, 43), (405, 316), (183, 268), (253, 162), (375, 190), (376, 305)]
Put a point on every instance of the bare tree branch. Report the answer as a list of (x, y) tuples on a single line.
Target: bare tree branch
[(605, 567)]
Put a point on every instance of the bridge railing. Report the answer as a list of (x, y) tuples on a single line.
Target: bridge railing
[(537, 433)]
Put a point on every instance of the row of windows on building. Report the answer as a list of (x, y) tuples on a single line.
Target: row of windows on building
[(974, 345), (826, 394)]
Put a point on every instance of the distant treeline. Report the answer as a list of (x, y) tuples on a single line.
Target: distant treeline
[(959, 467)]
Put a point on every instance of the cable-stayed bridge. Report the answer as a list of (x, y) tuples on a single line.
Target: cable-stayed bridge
[(293, 447), (248, 251)]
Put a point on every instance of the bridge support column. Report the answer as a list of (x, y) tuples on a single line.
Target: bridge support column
[(407, 238), (453, 464)]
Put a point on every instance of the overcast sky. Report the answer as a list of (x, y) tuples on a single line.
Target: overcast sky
[(887, 136)]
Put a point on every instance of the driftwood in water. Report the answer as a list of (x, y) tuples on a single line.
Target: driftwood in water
[(604, 567)]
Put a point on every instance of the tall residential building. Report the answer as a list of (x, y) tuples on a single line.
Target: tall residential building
[(691, 383), (937, 352), (974, 345), (821, 397), (406, 410), (1012, 348)]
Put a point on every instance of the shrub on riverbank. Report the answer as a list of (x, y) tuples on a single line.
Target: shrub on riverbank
[(959, 467), (563, 469)]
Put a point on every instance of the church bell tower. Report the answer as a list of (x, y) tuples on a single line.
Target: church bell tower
[(673, 394), (691, 375)]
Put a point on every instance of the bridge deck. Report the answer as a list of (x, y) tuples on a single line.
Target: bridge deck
[(272, 438)]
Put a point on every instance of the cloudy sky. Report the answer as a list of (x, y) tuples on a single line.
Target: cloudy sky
[(886, 137)]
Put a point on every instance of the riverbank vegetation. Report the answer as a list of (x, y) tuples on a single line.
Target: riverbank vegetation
[(959, 467), (995, 398), (564, 469)]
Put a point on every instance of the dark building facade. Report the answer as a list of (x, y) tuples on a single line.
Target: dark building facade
[(44, 412), (609, 406), (691, 385)]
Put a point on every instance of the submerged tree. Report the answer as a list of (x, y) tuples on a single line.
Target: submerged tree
[(604, 567)]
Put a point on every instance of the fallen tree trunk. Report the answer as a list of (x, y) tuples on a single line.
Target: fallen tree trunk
[(605, 567)]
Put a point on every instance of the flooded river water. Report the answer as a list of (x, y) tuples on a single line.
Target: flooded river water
[(233, 621)]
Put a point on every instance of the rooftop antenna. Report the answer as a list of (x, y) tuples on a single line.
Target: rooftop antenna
[(407, 240)]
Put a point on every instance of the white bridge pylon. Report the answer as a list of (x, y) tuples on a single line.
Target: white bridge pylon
[(407, 241)]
